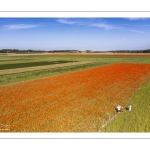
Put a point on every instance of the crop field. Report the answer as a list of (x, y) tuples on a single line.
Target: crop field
[(75, 102), (138, 119), (39, 68), (8, 76), (30, 64), (78, 97)]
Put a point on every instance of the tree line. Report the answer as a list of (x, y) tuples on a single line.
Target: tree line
[(71, 51), (131, 51)]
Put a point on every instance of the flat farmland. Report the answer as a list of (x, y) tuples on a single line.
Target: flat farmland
[(33, 66), (81, 101), (78, 95)]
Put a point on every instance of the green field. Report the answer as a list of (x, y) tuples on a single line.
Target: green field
[(135, 121), (31, 64), (9, 62)]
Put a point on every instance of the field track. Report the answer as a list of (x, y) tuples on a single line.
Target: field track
[(75, 102)]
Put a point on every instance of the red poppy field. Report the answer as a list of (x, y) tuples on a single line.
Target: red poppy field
[(74, 102)]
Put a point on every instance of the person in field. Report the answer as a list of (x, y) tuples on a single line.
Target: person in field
[(129, 107), (118, 108), (122, 109)]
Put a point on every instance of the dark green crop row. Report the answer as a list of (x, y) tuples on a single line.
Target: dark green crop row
[(31, 64)]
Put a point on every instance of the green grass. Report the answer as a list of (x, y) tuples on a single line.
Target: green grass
[(8, 60), (31, 64), (138, 120)]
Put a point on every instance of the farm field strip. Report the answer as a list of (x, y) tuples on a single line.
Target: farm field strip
[(26, 54), (21, 61), (3, 54), (45, 67), (17, 61), (99, 54), (32, 64), (25, 76), (75, 102)]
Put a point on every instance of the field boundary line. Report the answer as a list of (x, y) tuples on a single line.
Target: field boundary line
[(109, 120)]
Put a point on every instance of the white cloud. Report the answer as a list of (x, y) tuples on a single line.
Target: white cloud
[(20, 26), (105, 26), (136, 18), (66, 21), (136, 31)]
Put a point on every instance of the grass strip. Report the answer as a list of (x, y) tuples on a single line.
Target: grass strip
[(31, 64), (36, 68)]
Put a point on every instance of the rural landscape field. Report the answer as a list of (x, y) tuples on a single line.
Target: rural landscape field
[(74, 92)]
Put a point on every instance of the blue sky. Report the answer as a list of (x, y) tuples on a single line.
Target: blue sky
[(75, 33)]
